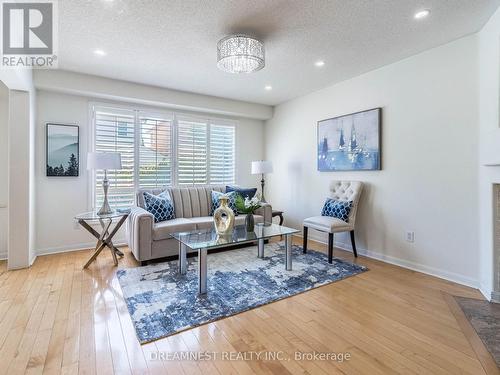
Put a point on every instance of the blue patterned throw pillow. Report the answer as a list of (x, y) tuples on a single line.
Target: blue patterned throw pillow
[(161, 206), (338, 209), (216, 203)]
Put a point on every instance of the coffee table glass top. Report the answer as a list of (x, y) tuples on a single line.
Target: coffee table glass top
[(208, 238)]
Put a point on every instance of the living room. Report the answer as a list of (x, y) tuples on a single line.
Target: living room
[(271, 187)]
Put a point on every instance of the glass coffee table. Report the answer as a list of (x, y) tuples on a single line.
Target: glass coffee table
[(206, 239)]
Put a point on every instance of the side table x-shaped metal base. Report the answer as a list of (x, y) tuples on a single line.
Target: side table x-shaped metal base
[(104, 238)]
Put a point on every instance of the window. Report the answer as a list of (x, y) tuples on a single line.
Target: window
[(161, 150), (114, 132), (192, 151), (222, 150), (155, 152)]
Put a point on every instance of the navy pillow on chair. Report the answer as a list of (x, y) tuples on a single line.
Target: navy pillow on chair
[(161, 206), (338, 209), (244, 192)]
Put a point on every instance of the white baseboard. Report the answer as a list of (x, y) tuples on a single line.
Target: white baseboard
[(3, 256), (447, 275), (450, 276), (486, 291), (443, 274), (495, 297), (74, 247)]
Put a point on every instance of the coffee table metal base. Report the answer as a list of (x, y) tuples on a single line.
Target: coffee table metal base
[(182, 258), (202, 260), (202, 271), (288, 252)]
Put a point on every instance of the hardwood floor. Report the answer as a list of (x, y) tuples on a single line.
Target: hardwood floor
[(56, 318)]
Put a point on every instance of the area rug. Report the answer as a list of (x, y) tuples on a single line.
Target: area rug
[(484, 317), (161, 302)]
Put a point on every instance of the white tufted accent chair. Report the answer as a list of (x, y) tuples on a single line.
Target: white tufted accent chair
[(344, 191)]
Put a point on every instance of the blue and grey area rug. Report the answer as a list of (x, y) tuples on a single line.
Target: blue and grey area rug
[(161, 302)]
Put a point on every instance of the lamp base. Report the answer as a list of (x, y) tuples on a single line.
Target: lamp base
[(262, 183), (105, 209)]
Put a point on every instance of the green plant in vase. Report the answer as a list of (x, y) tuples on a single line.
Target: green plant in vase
[(247, 206)]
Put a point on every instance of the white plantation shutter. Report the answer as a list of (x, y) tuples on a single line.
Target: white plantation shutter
[(192, 151), (161, 150), (222, 151), (155, 151), (114, 132)]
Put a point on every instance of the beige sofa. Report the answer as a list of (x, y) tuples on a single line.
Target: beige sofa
[(149, 240)]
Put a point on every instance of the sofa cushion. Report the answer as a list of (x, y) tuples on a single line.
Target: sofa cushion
[(207, 222), (240, 220), (164, 229), (244, 192), (161, 206), (203, 222), (191, 201)]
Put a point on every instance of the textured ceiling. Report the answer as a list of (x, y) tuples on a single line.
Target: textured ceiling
[(172, 43)]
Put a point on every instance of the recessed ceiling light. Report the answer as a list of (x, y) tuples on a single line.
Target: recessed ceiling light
[(99, 52), (268, 87), (319, 63), (422, 14)]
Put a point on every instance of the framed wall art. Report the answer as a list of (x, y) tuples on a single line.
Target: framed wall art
[(350, 142), (63, 147)]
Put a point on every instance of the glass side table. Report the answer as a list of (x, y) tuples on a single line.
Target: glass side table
[(104, 239)]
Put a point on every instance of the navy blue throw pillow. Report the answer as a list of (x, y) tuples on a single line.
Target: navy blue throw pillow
[(338, 209), (161, 206), (244, 192)]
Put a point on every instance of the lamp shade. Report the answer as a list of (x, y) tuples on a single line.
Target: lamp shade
[(262, 167), (104, 160)]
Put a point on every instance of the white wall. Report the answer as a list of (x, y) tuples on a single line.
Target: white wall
[(489, 99), (112, 89), (20, 245), (18, 218), (428, 183), (4, 123), (60, 199)]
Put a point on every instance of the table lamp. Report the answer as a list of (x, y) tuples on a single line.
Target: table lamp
[(262, 167), (104, 161)]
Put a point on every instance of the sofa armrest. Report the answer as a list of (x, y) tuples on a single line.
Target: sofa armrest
[(140, 232), (265, 210)]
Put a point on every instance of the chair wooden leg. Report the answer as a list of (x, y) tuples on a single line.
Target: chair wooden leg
[(304, 246), (353, 243), (330, 247)]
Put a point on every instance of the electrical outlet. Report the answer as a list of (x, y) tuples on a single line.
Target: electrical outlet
[(410, 236)]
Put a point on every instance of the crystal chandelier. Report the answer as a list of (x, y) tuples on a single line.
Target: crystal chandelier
[(240, 54)]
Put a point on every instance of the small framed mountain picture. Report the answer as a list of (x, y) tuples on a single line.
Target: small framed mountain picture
[(63, 146), (351, 142)]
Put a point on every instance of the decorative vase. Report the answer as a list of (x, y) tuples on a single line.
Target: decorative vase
[(223, 217), (249, 223)]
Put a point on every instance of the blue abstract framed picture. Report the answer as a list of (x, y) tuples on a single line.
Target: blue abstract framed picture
[(351, 142)]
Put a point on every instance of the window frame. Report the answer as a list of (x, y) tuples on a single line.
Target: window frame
[(174, 117)]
